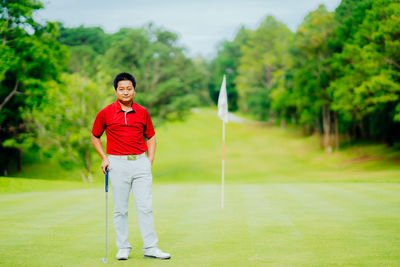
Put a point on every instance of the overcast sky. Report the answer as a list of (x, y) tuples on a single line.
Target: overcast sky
[(200, 25)]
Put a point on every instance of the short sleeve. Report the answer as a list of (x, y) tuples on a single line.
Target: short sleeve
[(99, 124), (149, 129)]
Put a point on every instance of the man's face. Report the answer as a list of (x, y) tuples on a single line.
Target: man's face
[(125, 91)]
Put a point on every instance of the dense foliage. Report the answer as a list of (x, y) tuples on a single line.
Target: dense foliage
[(338, 74), (31, 58)]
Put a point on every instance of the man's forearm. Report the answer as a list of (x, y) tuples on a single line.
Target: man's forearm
[(99, 147), (151, 145)]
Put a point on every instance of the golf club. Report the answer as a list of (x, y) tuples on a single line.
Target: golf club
[(106, 188)]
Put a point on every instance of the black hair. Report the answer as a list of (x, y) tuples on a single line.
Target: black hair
[(124, 76)]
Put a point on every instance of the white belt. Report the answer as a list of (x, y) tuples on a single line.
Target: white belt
[(129, 157)]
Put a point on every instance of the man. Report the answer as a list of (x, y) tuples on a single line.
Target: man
[(127, 124)]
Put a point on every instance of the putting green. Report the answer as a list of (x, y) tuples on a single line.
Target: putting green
[(272, 224)]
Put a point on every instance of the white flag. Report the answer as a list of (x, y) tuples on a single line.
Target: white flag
[(223, 102)]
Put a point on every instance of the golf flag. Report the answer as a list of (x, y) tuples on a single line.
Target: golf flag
[(223, 114), (223, 102)]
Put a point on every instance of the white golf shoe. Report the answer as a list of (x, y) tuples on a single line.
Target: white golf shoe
[(123, 253), (156, 253)]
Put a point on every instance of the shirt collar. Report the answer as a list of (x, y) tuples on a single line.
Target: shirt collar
[(117, 106)]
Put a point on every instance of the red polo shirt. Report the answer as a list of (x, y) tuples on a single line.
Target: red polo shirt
[(125, 130)]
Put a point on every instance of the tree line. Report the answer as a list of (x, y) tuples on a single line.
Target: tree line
[(337, 75)]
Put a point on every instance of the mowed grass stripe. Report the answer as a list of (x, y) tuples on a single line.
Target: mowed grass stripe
[(381, 191), (33, 201), (276, 238), (322, 223), (353, 234), (199, 227), (44, 223), (299, 224), (228, 236), (332, 236)]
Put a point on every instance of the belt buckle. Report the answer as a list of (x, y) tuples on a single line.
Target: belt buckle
[(131, 157)]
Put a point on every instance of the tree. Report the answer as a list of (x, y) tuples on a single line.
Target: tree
[(264, 56), (93, 37), (366, 90), (63, 130), (227, 62), (30, 56), (87, 45), (311, 52)]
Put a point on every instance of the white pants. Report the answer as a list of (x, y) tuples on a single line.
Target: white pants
[(126, 175)]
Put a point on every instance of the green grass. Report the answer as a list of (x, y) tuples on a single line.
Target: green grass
[(190, 151), (19, 185), (271, 224), (287, 203), (49, 169)]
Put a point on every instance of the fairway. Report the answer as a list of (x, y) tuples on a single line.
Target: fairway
[(190, 152), (273, 224)]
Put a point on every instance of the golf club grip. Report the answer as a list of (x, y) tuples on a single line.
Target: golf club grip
[(106, 180)]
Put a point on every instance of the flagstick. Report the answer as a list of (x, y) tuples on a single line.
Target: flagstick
[(223, 164)]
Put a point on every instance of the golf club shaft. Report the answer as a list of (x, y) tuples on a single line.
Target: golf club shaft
[(106, 221), (106, 189)]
